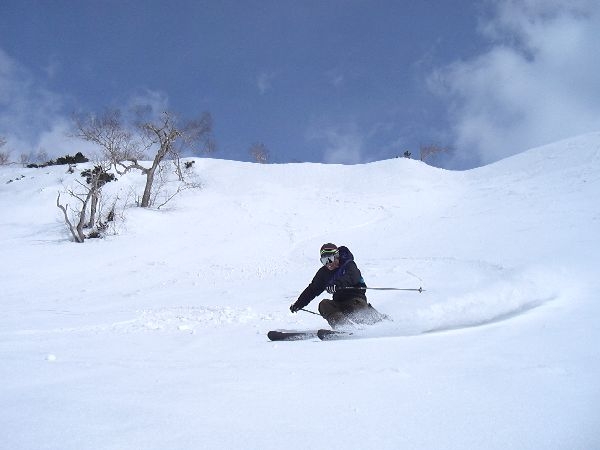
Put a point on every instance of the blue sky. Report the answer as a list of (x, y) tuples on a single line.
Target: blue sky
[(335, 81)]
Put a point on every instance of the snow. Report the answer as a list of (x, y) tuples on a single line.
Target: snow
[(155, 337)]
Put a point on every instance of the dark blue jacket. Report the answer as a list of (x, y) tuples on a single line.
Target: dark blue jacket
[(346, 277)]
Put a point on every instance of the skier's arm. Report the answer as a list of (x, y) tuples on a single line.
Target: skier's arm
[(316, 286)]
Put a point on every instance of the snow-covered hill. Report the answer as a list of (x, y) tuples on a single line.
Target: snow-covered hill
[(155, 338)]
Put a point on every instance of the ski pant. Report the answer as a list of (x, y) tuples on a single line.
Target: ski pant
[(349, 312)]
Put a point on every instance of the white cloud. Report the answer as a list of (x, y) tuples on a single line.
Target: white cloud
[(150, 103), (53, 68), (28, 112), (538, 83), (34, 119), (335, 77), (340, 145), (57, 142), (264, 81)]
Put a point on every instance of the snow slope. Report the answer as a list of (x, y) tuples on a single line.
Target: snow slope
[(155, 337)]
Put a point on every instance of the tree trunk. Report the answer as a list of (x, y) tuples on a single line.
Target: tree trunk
[(148, 189), (77, 235), (160, 155), (81, 222), (93, 209)]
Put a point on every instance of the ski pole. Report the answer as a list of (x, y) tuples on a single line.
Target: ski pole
[(420, 289), (309, 311)]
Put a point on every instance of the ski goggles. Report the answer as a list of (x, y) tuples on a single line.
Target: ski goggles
[(328, 259)]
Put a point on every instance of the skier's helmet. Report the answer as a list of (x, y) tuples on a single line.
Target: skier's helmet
[(329, 253)]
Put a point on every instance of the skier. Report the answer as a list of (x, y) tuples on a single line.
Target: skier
[(341, 277)]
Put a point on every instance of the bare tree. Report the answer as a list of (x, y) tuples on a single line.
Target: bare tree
[(96, 178), (165, 135), (32, 158), (87, 194), (41, 156), (77, 229), (117, 143), (160, 194), (259, 152), (4, 156), (171, 140), (24, 158), (428, 151)]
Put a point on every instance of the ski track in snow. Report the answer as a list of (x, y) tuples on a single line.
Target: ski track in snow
[(190, 319), (172, 319), (483, 293)]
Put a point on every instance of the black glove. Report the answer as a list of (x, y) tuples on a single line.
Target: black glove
[(295, 308), (330, 289)]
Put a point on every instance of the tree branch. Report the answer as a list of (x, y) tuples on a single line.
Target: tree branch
[(76, 235)]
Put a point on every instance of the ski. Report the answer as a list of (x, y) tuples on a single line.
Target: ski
[(294, 335), (331, 335), (291, 335)]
